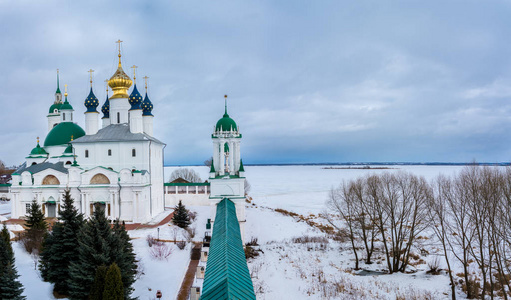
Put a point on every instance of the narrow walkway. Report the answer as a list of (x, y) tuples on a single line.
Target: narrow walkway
[(184, 291)]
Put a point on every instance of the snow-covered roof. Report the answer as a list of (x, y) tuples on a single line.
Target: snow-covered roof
[(115, 133)]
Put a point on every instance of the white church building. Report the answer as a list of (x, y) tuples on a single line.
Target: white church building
[(117, 166)]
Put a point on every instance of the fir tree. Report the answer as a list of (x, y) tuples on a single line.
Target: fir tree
[(113, 284), (96, 291), (37, 228), (4, 234), (60, 247), (124, 256), (94, 240), (10, 287), (181, 217)]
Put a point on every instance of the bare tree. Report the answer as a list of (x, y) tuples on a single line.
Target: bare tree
[(187, 174), (247, 187), (208, 161)]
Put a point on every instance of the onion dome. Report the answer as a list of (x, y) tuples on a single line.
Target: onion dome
[(135, 99), (38, 150), (147, 106), (54, 108), (119, 82), (105, 109), (91, 102), (66, 105), (63, 133), (226, 123)]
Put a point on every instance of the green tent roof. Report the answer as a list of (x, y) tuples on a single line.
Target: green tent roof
[(242, 169), (62, 133), (227, 275)]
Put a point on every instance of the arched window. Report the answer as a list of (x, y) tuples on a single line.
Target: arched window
[(109, 152), (133, 152), (118, 118), (99, 179), (54, 124), (50, 180), (68, 162), (86, 153), (34, 163)]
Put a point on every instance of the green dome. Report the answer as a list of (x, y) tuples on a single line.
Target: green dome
[(66, 105), (62, 133), (38, 150), (226, 124), (55, 107), (69, 149)]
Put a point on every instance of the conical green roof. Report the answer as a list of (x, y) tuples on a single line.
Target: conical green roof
[(242, 169), (212, 169), (38, 150), (66, 105)]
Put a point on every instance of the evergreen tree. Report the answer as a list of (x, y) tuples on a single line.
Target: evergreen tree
[(124, 256), (181, 217), (10, 287), (60, 247), (4, 234), (94, 240), (96, 291), (37, 228), (113, 284)]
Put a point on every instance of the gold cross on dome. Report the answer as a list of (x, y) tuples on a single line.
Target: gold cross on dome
[(134, 72), (119, 42), (90, 72), (106, 83), (65, 90), (145, 79)]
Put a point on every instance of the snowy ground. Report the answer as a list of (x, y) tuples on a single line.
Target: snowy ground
[(286, 270)]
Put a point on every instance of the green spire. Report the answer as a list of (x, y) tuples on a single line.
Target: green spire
[(58, 87), (212, 169), (241, 166), (225, 115)]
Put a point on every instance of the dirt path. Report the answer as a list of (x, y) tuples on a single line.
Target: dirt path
[(184, 291)]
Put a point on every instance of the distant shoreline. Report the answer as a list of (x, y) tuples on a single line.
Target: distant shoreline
[(360, 164)]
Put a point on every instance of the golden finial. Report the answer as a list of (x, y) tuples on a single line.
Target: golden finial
[(90, 72), (134, 74), (119, 42), (145, 79), (225, 97), (65, 90), (71, 137), (106, 81), (37, 140)]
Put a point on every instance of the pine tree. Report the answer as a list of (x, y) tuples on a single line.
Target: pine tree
[(60, 247), (37, 228), (4, 234), (94, 240), (96, 291), (10, 287), (124, 256), (181, 217), (113, 284)]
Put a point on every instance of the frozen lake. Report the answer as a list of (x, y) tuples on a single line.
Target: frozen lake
[(305, 189)]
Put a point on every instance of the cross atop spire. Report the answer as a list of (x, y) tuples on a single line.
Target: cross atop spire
[(90, 72), (134, 74), (58, 88), (119, 43), (145, 79), (65, 90)]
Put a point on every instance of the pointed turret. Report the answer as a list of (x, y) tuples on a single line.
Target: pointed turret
[(147, 108)]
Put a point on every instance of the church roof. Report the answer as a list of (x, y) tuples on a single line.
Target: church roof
[(63, 133), (41, 167), (227, 275), (115, 133)]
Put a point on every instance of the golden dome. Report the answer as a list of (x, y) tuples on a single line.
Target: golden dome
[(120, 82)]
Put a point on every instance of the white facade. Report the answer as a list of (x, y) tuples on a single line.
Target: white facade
[(118, 167)]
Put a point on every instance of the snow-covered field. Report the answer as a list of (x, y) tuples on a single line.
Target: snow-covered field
[(286, 269)]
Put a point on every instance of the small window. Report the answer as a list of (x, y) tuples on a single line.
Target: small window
[(86, 153), (63, 116), (68, 162), (118, 118), (109, 152), (133, 152), (27, 207), (55, 111), (34, 163), (54, 124)]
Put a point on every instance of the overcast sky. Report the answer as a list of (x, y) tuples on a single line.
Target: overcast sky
[(308, 81)]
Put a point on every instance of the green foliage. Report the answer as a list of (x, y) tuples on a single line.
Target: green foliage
[(10, 287), (4, 235), (181, 217), (96, 291), (37, 228), (60, 247), (113, 284), (101, 245)]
